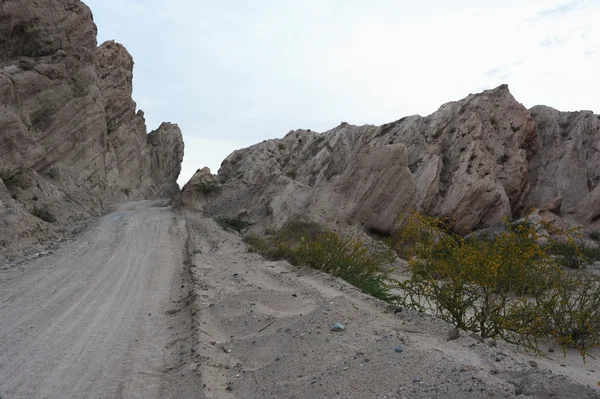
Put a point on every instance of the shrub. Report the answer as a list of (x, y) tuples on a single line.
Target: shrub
[(13, 177), (571, 312), (573, 255), (566, 254), (127, 191), (507, 286), (44, 214), (595, 235), (292, 174), (503, 158), (7, 173), (234, 224), (342, 255), (281, 146), (208, 187), (53, 172)]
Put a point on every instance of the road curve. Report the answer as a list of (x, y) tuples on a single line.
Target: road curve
[(95, 319)]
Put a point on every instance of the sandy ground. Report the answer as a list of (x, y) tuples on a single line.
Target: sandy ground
[(263, 331), (151, 303), (105, 316)]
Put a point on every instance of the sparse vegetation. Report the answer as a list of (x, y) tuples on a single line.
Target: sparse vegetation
[(209, 187), (14, 177), (595, 235), (234, 224), (127, 191), (281, 146), (342, 255), (571, 255), (8, 173), (292, 174), (44, 214), (508, 286), (502, 159), (53, 172)]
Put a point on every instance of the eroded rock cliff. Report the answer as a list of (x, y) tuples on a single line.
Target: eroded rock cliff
[(71, 140), (477, 160)]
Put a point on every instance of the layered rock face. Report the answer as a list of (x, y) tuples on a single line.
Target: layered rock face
[(70, 137), (477, 160), (567, 164)]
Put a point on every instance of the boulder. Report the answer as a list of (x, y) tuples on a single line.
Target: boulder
[(191, 196)]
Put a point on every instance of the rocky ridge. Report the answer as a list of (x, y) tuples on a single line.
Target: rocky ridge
[(476, 160), (71, 138)]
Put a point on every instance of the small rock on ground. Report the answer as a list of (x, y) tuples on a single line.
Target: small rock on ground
[(453, 334)]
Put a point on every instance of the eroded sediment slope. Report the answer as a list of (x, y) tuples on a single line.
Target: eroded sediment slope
[(264, 332)]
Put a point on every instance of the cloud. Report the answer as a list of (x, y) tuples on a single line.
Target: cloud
[(493, 72), (561, 9), (235, 73), (552, 42)]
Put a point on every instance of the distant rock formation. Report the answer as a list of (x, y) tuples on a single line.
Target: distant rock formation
[(192, 196), (70, 137), (477, 160)]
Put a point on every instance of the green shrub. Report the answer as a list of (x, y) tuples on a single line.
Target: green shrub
[(234, 224), (292, 174), (342, 255), (44, 214), (281, 146), (503, 158), (571, 312), (595, 235), (508, 286), (208, 187), (53, 172), (7, 173), (573, 255), (14, 177)]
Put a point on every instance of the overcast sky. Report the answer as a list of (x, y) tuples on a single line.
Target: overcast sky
[(232, 73)]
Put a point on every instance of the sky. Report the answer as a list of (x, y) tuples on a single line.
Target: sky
[(233, 73)]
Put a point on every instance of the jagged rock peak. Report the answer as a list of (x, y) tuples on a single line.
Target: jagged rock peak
[(68, 124), (477, 160)]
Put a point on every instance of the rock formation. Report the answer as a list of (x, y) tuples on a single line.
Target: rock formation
[(477, 160), (70, 137), (191, 195)]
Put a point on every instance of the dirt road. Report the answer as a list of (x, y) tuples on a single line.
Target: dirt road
[(150, 303), (104, 316)]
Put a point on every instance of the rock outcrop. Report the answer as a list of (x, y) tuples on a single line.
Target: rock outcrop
[(567, 164), (477, 161), (71, 139), (191, 196)]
